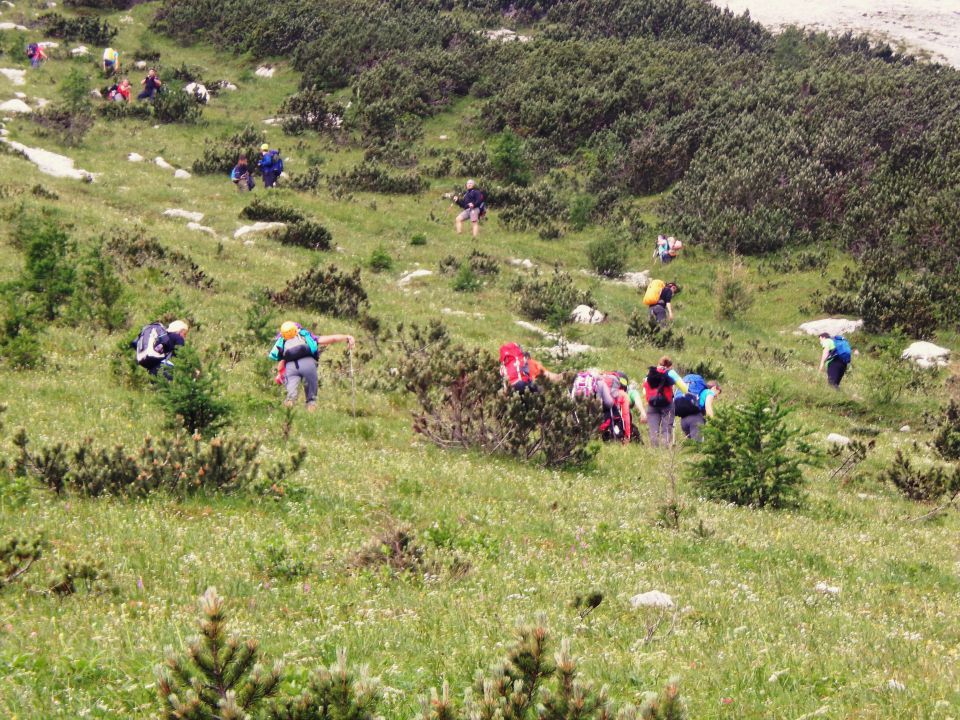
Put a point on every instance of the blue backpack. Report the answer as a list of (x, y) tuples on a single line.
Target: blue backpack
[(842, 348), (695, 384), (689, 404), (276, 162)]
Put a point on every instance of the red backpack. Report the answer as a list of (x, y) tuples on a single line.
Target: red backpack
[(514, 367), (658, 388)]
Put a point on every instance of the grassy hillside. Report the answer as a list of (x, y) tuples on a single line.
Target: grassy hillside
[(752, 638)]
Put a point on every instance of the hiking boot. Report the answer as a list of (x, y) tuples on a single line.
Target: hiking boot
[(311, 407), (288, 403)]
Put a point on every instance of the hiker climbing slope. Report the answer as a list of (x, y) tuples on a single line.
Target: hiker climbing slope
[(836, 357), (297, 350), (659, 390), (696, 405), (156, 345), (658, 297), (271, 165)]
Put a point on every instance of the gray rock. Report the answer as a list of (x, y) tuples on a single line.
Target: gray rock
[(181, 174), (258, 228), (586, 315), (831, 326), (654, 599), (925, 354), (185, 214), (413, 275), (838, 439)]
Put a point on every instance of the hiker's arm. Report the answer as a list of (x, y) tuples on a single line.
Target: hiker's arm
[(678, 381), (325, 340), (552, 376), (669, 311), (823, 358), (275, 352), (708, 406)]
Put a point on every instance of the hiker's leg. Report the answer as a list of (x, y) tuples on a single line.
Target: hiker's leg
[(475, 221), (653, 425), (293, 382), (835, 370), (666, 426), (459, 221), (659, 313), (308, 369), (605, 397), (691, 426)]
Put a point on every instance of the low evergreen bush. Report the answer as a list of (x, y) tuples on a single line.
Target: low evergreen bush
[(732, 293), (643, 329), (370, 177), (17, 556), (946, 439), (101, 297), (180, 465), (325, 290), (312, 110), (550, 299), (607, 256), (751, 456), (88, 30), (132, 249), (921, 484), (307, 234), (267, 211), (172, 105), (380, 260), (220, 156), (466, 279)]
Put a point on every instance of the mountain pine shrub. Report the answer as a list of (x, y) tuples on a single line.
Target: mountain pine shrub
[(380, 260), (607, 256), (946, 440), (643, 329), (466, 279), (268, 211), (371, 177), (220, 156), (17, 556), (172, 104), (180, 465), (550, 299), (325, 290), (751, 456), (921, 484), (88, 30)]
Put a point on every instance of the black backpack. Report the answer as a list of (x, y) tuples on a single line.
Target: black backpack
[(153, 343)]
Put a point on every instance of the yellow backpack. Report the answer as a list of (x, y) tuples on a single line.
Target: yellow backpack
[(652, 295)]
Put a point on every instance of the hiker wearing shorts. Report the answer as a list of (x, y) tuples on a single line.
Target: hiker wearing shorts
[(472, 203), (297, 351)]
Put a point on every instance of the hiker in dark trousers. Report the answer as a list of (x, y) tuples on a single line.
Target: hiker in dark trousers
[(835, 358), (271, 166), (297, 350), (691, 424), (151, 85), (662, 310)]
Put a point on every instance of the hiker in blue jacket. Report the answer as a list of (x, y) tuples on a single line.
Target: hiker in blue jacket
[(835, 358), (271, 165)]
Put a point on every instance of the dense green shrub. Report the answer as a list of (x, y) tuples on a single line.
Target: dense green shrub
[(192, 395), (326, 290), (751, 456), (507, 160), (380, 259), (180, 465), (172, 105), (643, 329), (462, 405), (308, 234), (607, 256), (49, 274), (220, 156), (733, 294), (310, 109), (465, 279), (374, 178), (550, 299), (122, 110), (946, 440), (101, 297), (921, 484), (101, 4), (17, 556), (132, 249), (85, 29), (267, 211)]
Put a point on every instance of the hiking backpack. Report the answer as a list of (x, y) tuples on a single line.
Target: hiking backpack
[(658, 390), (695, 384), (584, 385), (514, 368), (842, 348), (276, 162), (32, 50), (482, 206), (152, 343), (652, 296)]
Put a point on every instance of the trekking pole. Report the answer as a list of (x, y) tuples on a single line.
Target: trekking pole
[(353, 387)]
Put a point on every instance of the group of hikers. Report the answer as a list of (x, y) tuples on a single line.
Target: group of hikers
[(270, 165), (120, 90), (662, 397)]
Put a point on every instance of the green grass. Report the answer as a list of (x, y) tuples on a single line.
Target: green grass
[(534, 539)]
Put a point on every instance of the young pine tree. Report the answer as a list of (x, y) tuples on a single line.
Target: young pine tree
[(220, 678), (752, 457), (193, 395)]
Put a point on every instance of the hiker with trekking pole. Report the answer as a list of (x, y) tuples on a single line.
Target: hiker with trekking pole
[(297, 351)]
